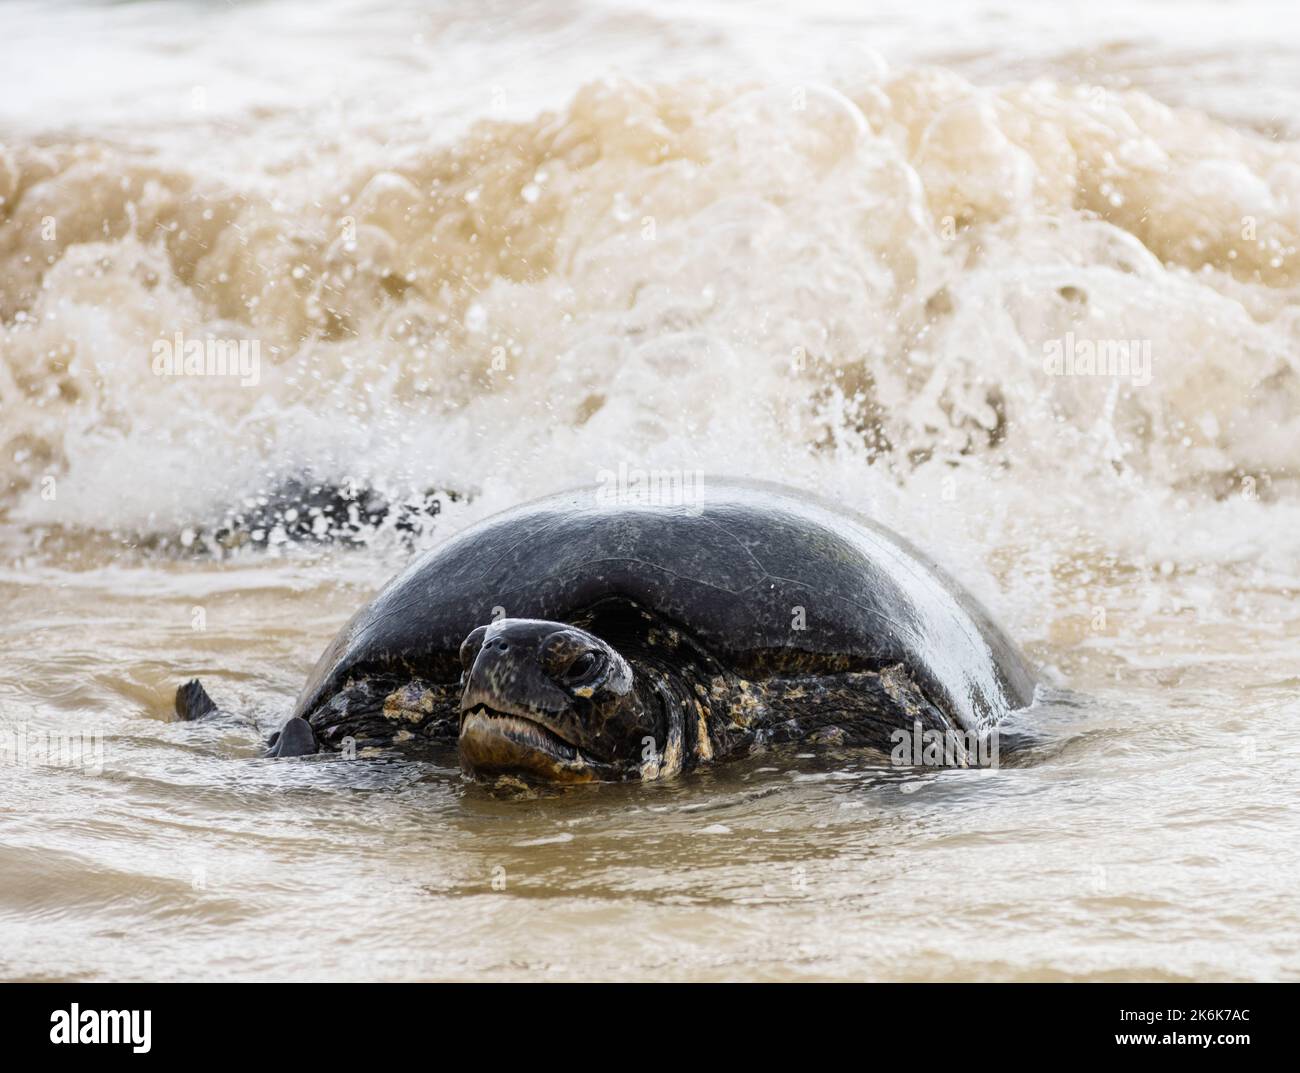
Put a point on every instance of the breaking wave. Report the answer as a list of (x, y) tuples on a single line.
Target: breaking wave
[(1018, 313)]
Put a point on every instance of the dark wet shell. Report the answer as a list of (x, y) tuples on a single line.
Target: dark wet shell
[(741, 568)]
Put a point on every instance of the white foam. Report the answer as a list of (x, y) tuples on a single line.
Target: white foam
[(845, 281)]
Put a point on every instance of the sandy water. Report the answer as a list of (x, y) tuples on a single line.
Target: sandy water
[(831, 247)]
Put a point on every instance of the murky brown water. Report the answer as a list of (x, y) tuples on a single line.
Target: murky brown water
[(1139, 537)]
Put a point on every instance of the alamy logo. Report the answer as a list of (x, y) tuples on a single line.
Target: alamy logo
[(921, 747), (651, 487), (1069, 356), (26, 746), (179, 356), (102, 1026)]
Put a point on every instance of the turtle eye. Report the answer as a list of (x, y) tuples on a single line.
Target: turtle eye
[(569, 658), (582, 667), (469, 648)]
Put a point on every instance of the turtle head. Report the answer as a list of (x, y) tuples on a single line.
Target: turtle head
[(553, 702)]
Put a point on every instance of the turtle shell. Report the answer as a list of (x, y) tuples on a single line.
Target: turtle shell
[(770, 581)]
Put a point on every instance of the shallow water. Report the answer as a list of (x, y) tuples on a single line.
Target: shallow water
[(830, 247)]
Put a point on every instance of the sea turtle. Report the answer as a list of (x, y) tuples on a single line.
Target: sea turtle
[(588, 636)]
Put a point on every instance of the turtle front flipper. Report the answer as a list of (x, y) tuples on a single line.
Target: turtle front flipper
[(295, 738), (193, 702)]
